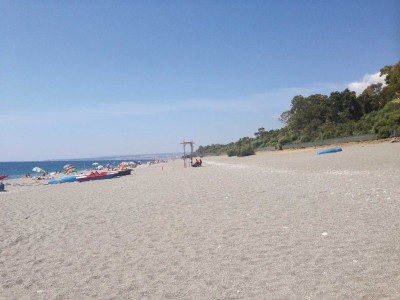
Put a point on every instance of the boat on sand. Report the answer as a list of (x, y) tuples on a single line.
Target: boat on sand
[(330, 150), (96, 176), (62, 180), (124, 172)]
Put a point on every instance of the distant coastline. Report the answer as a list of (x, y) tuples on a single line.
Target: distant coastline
[(157, 156)]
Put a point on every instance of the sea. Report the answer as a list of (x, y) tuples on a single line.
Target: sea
[(20, 169)]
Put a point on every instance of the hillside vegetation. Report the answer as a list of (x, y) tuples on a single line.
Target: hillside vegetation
[(320, 117)]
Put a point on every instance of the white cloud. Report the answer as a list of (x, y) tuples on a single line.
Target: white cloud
[(367, 80)]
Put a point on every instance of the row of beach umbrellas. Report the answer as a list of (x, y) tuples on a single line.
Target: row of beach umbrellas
[(120, 165), (70, 168)]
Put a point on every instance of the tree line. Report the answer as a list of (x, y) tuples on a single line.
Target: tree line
[(319, 117)]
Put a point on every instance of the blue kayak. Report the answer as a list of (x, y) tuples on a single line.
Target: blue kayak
[(330, 150), (62, 180)]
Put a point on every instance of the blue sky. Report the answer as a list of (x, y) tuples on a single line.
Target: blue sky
[(93, 78)]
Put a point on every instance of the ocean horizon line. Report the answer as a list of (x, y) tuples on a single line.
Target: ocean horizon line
[(155, 156)]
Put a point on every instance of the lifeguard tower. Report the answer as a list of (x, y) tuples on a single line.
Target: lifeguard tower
[(184, 143)]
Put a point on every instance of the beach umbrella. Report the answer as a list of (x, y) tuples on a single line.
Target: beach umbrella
[(95, 163), (66, 166), (99, 167), (37, 169), (70, 170), (122, 165)]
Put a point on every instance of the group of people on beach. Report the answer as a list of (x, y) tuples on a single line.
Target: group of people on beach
[(197, 163), (43, 176)]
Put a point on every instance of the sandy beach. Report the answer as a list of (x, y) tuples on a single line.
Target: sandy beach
[(277, 225)]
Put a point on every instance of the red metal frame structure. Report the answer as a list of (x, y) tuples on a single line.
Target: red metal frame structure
[(184, 143)]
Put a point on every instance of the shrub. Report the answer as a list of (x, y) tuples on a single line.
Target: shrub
[(232, 152), (387, 120), (246, 151)]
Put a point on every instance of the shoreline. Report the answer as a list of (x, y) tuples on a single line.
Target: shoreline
[(35, 180)]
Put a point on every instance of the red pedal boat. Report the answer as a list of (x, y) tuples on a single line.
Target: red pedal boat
[(96, 176), (3, 176)]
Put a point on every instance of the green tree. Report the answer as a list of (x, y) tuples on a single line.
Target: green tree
[(392, 89), (260, 133), (351, 107), (370, 98), (322, 117)]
